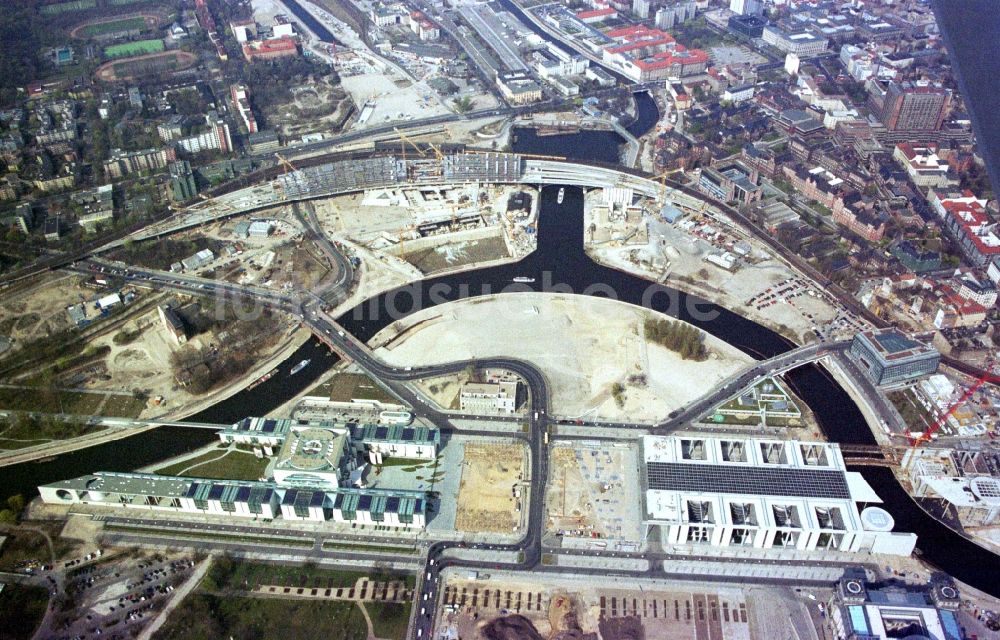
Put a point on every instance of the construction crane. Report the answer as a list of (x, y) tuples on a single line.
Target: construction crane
[(926, 436), (288, 165), (403, 141), (436, 150)]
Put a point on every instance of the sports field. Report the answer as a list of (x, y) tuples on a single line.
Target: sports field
[(113, 26), (137, 48), (63, 7)]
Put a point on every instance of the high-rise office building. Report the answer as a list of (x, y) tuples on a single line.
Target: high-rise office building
[(746, 7), (910, 106)]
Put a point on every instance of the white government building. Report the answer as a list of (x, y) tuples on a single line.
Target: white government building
[(752, 492), (315, 477)]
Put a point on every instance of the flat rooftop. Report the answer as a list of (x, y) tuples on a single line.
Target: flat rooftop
[(746, 480)]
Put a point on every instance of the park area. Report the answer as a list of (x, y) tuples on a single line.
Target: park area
[(222, 463), (491, 473), (137, 48)]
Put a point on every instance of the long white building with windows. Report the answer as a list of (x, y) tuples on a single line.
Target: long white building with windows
[(316, 475), (751, 492)]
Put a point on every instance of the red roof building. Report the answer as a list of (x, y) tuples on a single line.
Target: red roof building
[(596, 15), (270, 49), (645, 54), (973, 229)]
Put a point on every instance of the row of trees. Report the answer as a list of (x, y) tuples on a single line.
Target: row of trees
[(677, 336)]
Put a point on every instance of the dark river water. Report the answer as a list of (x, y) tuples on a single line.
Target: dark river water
[(559, 264)]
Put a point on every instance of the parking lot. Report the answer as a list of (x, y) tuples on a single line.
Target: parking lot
[(115, 596)]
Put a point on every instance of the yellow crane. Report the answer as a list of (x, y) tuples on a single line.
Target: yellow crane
[(403, 141), (288, 167)]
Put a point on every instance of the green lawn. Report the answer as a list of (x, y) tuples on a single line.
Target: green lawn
[(21, 610), (207, 617), (63, 7), (24, 431), (389, 619), (244, 575), (137, 48), (235, 465), (113, 26)]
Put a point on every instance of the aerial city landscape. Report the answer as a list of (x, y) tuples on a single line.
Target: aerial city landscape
[(500, 320)]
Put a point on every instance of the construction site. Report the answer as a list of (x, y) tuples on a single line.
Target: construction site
[(491, 494), (435, 228), (592, 494), (496, 607)]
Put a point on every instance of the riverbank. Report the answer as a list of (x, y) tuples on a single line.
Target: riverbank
[(594, 351), (647, 246)]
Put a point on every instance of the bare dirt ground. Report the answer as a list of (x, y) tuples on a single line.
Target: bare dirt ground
[(593, 491), (35, 312), (508, 608), (486, 499), (676, 257), (584, 344)]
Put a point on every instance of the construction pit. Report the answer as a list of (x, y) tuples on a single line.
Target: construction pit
[(502, 607), (436, 228), (491, 493), (592, 495)]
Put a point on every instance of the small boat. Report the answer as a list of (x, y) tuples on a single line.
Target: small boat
[(562, 194), (264, 378), (523, 279), (299, 367)]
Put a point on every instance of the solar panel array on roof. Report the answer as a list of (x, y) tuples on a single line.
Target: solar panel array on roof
[(767, 481), (392, 504), (364, 502), (318, 498), (243, 493)]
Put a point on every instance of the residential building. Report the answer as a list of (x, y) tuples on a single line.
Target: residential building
[(954, 311), (122, 163), (739, 94), (915, 259), (173, 324), (182, 183), (172, 129), (591, 16), (640, 8), (964, 217), (241, 102), (859, 219), (984, 293), (914, 106), (214, 137), (890, 358), (642, 54), (763, 494), (97, 204), (489, 398), (425, 29), (922, 164), (264, 142), (802, 43)]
